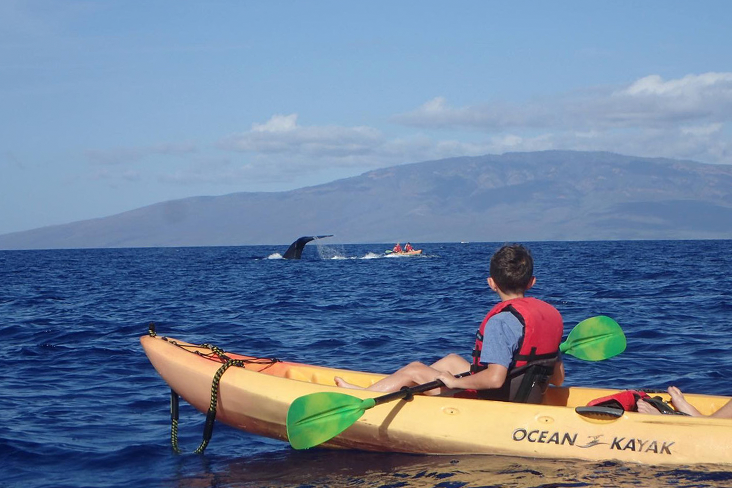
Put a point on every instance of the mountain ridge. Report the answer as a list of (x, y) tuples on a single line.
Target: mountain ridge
[(528, 196)]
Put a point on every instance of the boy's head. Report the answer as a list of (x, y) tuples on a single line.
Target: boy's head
[(512, 268)]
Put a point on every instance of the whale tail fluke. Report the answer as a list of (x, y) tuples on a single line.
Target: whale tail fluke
[(295, 249)]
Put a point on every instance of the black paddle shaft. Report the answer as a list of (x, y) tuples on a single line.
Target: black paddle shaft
[(407, 392)]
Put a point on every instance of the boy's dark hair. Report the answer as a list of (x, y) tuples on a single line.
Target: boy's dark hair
[(512, 268)]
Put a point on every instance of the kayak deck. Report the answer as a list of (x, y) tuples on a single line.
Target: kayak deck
[(256, 395)]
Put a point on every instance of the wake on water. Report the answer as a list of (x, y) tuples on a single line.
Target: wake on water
[(338, 252), (335, 252)]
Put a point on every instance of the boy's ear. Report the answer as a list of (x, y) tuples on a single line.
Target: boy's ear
[(492, 285), (532, 282)]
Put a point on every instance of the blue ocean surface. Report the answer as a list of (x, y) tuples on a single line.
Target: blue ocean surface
[(83, 407)]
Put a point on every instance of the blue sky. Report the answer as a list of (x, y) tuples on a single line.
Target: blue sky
[(107, 106)]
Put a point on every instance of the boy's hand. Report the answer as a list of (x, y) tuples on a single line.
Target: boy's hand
[(449, 380)]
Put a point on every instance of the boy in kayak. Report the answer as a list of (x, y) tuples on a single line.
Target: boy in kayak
[(680, 403), (517, 346)]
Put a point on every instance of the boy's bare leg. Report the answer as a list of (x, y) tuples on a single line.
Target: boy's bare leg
[(415, 373), (725, 412), (410, 375), (345, 384), (452, 363), (680, 403)]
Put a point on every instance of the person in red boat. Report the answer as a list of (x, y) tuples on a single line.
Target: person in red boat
[(408, 247), (680, 404), (397, 248), (516, 352)]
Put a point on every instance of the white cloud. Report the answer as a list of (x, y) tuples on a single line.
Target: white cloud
[(437, 113), (701, 98), (647, 101), (278, 123), (678, 118), (281, 134), (688, 117), (684, 118), (702, 130), (689, 85)]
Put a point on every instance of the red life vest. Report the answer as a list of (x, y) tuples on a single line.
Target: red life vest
[(537, 353), (626, 400)]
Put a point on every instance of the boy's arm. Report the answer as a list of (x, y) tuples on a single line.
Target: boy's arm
[(502, 334), (557, 378), (492, 377)]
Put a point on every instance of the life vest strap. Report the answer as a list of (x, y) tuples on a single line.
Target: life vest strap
[(532, 356)]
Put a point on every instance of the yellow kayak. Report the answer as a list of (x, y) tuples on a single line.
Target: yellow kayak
[(255, 394), (413, 252)]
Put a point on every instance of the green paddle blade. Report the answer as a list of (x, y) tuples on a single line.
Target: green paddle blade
[(595, 339), (315, 418)]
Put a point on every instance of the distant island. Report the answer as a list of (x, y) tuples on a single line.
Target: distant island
[(530, 196)]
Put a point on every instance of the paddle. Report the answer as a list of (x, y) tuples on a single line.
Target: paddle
[(315, 418), (594, 339)]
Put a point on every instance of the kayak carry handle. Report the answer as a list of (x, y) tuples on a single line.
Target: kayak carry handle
[(600, 413)]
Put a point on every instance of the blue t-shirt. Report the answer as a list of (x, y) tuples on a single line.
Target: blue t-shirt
[(501, 339)]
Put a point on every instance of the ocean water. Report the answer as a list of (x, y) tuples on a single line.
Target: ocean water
[(83, 407)]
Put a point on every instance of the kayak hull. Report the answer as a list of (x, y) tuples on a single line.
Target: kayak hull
[(255, 398), (414, 252)]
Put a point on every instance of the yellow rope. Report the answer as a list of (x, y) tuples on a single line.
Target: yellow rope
[(211, 414)]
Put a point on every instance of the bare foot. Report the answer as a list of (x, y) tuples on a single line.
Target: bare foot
[(680, 403), (345, 384), (645, 407)]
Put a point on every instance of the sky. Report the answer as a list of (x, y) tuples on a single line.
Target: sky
[(108, 106)]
